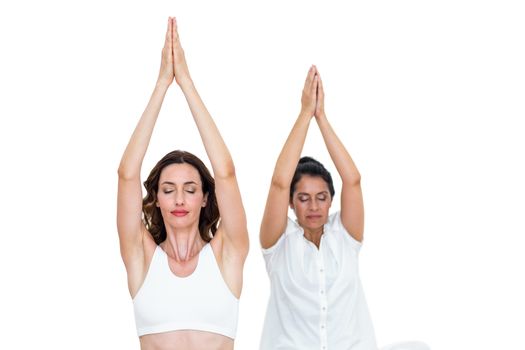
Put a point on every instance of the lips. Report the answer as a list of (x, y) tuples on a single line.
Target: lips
[(314, 217), (179, 213)]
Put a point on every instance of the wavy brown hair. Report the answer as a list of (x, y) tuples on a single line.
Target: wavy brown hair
[(152, 217)]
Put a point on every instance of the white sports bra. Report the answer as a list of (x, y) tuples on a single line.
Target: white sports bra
[(201, 301)]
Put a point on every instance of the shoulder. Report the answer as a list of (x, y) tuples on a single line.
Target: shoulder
[(292, 229), (335, 228)]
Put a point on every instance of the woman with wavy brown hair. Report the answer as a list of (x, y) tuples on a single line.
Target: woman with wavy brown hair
[(184, 244)]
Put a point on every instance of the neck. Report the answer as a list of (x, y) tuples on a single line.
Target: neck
[(314, 235), (182, 244)]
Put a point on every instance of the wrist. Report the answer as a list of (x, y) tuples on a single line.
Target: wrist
[(320, 115), (162, 84), (185, 82), (305, 114)]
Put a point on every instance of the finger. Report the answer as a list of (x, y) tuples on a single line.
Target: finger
[(175, 30), (320, 90), (309, 78), (167, 42), (169, 47), (313, 86)]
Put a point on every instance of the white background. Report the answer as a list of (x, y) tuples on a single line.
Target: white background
[(427, 96)]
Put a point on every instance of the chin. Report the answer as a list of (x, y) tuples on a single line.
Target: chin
[(311, 226), (178, 222)]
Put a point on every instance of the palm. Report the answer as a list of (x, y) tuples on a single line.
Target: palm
[(319, 107), (180, 68), (309, 97), (166, 63), (319, 101)]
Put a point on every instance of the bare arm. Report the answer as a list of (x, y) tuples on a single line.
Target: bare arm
[(129, 200), (233, 226), (352, 210), (276, 212)]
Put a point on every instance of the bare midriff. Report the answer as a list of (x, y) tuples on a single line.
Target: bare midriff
[(185, 340)]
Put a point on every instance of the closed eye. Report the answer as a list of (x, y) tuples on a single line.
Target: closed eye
[(304, 199)]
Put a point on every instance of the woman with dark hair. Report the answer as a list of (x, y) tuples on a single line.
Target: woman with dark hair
[(317, 301), (184, 244)]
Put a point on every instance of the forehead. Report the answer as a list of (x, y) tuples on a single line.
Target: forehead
[(311, 184), (180, 173)]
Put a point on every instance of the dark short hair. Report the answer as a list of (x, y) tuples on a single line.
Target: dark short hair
[(311, 167), (209, 215)]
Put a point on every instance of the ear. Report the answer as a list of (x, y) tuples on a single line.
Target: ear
[(157, 204), (204, 200), (291, 205)]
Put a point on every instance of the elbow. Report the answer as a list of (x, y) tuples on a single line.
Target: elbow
[(280, 183), (357, 178), (353, 179), (227, 171), (127, 174)]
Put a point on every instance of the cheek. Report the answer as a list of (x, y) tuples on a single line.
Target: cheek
[(194, 201), (326, 206), (162, 200), (300, 207), (165, 203)]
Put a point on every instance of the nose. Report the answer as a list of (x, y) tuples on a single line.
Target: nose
[(314, 205), (179, 198)]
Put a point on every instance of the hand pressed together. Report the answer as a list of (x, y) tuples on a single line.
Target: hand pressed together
[(309, 92), (312, 99), (173, 63)]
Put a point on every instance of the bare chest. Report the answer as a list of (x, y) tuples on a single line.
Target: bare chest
[(184, 268)]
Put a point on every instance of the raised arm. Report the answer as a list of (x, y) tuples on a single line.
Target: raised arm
[(233, 228), (276, 212), (352, 211), (129, 200)]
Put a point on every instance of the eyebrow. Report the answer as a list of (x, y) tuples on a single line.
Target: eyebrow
[(307, 194), (173, 183)]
